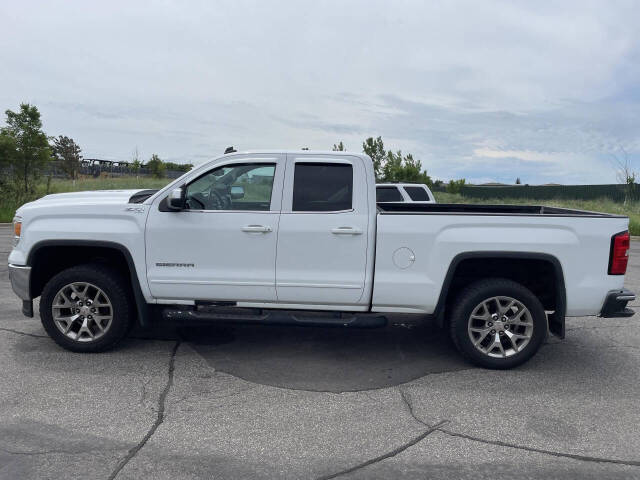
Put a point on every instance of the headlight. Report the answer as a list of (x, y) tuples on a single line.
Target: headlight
[(17, 230)]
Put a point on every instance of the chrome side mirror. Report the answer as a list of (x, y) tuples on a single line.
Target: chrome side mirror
[(176, 199)]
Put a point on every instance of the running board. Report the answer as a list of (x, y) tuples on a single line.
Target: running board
[(231, 315)]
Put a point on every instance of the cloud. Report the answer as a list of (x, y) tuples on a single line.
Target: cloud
[(478, 90), (522, 155)]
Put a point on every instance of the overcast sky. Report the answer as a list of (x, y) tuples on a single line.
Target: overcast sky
[(486, 90)]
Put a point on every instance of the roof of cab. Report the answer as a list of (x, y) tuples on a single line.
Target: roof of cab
[(300, 152), (401, 184)]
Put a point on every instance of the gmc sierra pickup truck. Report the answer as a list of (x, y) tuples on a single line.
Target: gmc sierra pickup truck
[(297, 238)]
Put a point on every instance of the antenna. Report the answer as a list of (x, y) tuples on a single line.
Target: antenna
[(229, 150)]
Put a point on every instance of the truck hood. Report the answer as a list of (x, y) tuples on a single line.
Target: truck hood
[(93, 197)]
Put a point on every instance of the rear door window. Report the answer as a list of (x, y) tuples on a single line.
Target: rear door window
[(417, 194), (388, 194), (322, 187)]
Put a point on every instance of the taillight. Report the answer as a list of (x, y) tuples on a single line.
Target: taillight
[(619, 255)]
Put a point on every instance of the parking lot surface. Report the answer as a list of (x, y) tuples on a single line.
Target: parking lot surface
[(316, 403)]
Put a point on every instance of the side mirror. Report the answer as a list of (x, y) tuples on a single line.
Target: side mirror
[(176, 199), (237, 192)]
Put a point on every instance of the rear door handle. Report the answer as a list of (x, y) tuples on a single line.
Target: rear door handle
[(256, 229), (346, 231)]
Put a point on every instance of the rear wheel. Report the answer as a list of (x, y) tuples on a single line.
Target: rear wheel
[(497, 323), (86, 308)]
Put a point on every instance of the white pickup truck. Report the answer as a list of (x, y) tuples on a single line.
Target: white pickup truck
[(297, 237), (404, 193)]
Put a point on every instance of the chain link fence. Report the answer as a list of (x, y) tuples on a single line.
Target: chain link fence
[(97, 170)]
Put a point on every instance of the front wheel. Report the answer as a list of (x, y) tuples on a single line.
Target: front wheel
[(86, 308), (497, 323)]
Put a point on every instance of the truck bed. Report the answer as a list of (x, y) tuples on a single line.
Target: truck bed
[(479, 209)]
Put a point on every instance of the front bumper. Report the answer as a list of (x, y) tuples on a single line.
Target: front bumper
[(20, 277), (615, 304)]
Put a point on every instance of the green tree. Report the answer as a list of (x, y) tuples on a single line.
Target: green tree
[(68, 153), (626, 176), (135, 163), (180, 167), (25, 149), (455, 186), (339, 147), (157, 166), (518, 182), (392, 168), (399, 168), (374, 147), (8, 152), (412, 171)]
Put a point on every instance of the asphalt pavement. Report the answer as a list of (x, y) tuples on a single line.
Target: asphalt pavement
[(316, 403)]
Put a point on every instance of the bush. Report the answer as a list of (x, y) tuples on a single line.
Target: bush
[(455, 186), (157, 167)]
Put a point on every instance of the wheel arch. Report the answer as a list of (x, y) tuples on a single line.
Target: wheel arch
[(44, 266), (507, 265)]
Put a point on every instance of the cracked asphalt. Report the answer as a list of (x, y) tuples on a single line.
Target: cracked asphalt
[(312, 403)]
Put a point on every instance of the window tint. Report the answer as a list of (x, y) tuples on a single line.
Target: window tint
[(322, 187), (417, 194), (388, 194), (233, 187)]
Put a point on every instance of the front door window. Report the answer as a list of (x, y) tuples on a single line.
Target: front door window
[(244, 187)]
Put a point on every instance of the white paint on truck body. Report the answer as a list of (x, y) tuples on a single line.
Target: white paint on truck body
[(104, 216), (581, 245)]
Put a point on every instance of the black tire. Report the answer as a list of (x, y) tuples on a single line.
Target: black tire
[(112, 283), (472, 296)]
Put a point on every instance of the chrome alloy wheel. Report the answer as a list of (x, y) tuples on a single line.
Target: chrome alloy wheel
[(500, 327), (82, 311)]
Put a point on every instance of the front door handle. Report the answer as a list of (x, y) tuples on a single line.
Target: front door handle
[(256, 229), (346, 231)]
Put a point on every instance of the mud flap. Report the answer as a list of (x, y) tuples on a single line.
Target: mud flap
[(556, 324), (27, 308)]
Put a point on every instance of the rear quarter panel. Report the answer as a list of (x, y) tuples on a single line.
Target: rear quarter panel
[(580, 244)]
